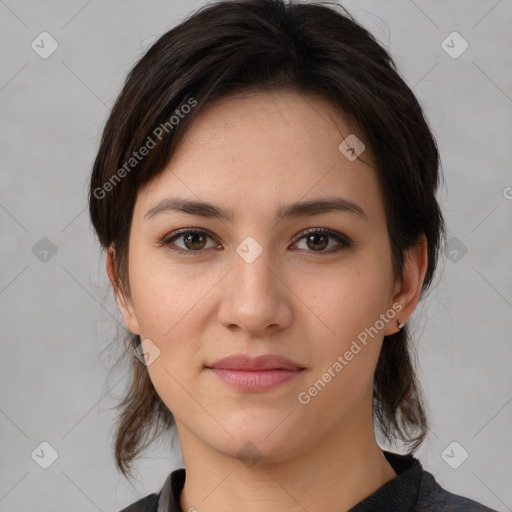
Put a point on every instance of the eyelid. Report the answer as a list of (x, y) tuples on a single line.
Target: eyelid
[(340, 237), (167, 240)]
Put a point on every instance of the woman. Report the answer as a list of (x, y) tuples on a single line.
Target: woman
[(265, 192)]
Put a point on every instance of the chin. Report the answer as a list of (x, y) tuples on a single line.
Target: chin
[(253, 446)]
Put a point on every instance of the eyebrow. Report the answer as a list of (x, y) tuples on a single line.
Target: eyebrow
[(298, 209)]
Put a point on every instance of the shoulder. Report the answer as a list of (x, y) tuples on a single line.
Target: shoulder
[(433, 498), (146, 504)]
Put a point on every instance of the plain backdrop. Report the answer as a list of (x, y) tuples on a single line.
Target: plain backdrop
[(58, 384)]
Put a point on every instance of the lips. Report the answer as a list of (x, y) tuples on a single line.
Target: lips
[(255, 374), (259, 363)]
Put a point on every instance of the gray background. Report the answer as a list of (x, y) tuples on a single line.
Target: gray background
[(57, 315)]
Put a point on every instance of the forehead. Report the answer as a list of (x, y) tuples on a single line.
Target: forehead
[(266, 149)]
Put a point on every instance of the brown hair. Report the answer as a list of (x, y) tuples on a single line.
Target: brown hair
[(233, 46)]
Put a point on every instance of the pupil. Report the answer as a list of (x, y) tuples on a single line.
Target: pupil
[(314, 237), (191, 237)]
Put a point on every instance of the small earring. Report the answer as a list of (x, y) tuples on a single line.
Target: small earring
[(399, 324)]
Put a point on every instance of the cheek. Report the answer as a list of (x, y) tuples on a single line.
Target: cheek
[(170, 302), (348, 298), (346, 354), (170, 314), (350, 308), (164, 294)]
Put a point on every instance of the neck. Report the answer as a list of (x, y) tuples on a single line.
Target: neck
[(345, 466)]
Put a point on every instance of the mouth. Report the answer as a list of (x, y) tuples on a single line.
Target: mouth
[(255, 380), (255, 374)]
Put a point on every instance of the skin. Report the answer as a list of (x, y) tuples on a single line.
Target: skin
[(253, 154)]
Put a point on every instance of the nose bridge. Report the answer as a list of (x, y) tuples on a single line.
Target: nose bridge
[(253, 298), (253, 266)]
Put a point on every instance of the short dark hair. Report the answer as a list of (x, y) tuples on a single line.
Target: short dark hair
[(231, 47)]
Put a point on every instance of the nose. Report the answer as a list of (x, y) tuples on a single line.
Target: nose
[(254, 295)]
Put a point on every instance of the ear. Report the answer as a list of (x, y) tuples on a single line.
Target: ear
[(124, 303), (407, 293)]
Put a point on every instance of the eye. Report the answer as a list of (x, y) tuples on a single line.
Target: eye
[(317, 239), (194, 240)]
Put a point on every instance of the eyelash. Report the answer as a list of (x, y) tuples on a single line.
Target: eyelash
[(167, 241)]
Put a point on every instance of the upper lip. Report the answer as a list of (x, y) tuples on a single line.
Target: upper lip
[(263, 362)]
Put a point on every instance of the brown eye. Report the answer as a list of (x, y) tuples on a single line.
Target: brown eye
[(317, 239), (193, 241)]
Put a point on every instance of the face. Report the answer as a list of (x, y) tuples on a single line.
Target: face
[(204, 287)]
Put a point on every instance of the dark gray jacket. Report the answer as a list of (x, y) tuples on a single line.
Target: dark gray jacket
[(412, 490)]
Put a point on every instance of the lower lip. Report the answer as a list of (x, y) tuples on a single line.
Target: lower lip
[(262, 380)]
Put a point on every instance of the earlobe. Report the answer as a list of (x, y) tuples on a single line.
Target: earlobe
[(124, 303), (415, 268)]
